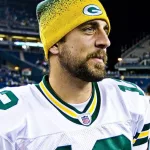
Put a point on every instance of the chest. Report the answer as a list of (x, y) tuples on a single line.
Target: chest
[(108, 136)]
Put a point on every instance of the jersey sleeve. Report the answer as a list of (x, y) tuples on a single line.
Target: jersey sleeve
[(12, 115), (141, 138), (139, 109)]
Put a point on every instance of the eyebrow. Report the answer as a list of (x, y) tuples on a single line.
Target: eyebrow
[(93, 23)]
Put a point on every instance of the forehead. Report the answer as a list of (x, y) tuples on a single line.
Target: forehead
[(96, 22)]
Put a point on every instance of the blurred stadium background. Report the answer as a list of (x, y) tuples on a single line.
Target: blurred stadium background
[(21, 52)]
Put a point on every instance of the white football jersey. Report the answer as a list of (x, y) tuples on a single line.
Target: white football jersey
[(148, 97), (33, 117)]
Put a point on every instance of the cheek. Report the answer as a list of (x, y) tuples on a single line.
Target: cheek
[(80, 53), (78, 48), (86, 50), (80, 44)]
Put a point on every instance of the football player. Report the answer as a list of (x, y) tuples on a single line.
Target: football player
[(74, 107)]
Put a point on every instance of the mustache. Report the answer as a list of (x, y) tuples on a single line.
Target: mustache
[(98, 54)]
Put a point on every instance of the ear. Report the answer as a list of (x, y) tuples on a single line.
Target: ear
[(54, 49)]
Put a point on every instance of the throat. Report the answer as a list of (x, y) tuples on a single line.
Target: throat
[(72, 92)]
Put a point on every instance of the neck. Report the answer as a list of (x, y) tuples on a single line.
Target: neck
[(68, 88)]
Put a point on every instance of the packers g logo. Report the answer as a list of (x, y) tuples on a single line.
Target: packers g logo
[(92, 10)]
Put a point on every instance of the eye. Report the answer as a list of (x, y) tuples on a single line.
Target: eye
[(106, 30), (89, 30)]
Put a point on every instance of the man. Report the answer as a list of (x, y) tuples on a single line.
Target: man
[(72, 108)]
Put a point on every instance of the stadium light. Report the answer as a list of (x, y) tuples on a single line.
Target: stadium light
[(119, 59), (32, 44), (16, 68), (1, 39)]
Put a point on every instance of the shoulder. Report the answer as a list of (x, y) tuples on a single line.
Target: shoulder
[(122, 86), (12, 96), (148, 97), (130, 94), (13, 106)]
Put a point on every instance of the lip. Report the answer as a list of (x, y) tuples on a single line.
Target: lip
[(97, 60)]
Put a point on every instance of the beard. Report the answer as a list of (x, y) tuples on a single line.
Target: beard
[(81, 68)]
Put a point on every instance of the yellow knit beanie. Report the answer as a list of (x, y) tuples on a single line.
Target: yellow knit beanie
[(58, 17)]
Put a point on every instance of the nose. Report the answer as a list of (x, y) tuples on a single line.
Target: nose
[(102, 40)]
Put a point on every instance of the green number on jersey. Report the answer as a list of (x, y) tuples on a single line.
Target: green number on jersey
[(113, 143), (7, 100), (126, 88), (64, 148)]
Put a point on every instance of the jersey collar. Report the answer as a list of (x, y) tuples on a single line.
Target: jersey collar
[(85, 117)]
